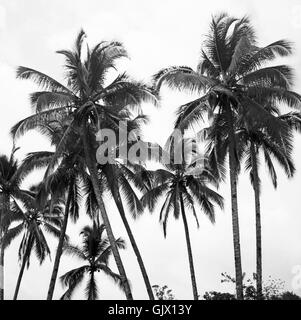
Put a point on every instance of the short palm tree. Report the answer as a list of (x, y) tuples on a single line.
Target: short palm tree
[(233, 79), (66, 181), (91, 105), (95, 253), (11, 177), (183, 186), (33, 221)]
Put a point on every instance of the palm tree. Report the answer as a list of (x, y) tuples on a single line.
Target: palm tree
[(251, 140), (91, 106), (115, 175), (255, 140), (119, 178), (11, 177), (95, 252), (65, 181), (33, 220), (233, 79), (183, 185)]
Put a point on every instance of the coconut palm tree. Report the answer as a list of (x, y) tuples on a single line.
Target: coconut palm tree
[(233, 78), (95, 253), (11, 177), (183, 185), (33, 220), (91, 104), (118, 178), (114, 176), (255, 140), (252, 140), (121, 181), (66, 181)]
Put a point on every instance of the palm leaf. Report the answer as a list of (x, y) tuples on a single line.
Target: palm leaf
[(41, 80)]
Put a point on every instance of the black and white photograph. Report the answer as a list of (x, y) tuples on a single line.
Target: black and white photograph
[(150, 150)]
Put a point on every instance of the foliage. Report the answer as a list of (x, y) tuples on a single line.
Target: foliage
[(163, 293), (273, 289), (95, 252), (240, 92)]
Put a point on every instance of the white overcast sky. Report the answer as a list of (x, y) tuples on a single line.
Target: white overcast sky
[(157, 34)]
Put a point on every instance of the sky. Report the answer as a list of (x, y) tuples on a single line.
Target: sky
[(156, 34)]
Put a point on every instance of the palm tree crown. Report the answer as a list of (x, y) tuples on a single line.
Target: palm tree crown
[(95, 252), (33, 220)]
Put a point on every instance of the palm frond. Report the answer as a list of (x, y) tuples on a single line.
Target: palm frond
[(114, 276), (279, 76), (43, 100), (259, 56), (72, 280), (41, 79), (131, 198), (33, 121), (73, 250), (271, 168), (192, 112), (150, 198), (91, 288), (182, 78), (11, 234)]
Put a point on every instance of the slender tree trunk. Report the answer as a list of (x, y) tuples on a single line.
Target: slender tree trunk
[(60, 246), (91, 164), (1, 269), (256, 187), (119, 204), (20, 278), (4, 210), (234, 205), (91, 295), (189, 250)]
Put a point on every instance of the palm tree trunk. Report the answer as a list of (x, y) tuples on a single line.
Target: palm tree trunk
[(234, 205), (4, 209), (91, 295), (60, 246), (190, 256), (1, 269), (20, 278), (258, 223), (118, 202), (91, 164)]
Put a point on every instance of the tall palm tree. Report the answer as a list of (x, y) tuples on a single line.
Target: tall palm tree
[(11, 177), (95, 253), (91, 104), (121, 182), (251, 140), (118, 178), (255, 140), (33, 220), (233, 78), (183, 185)]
